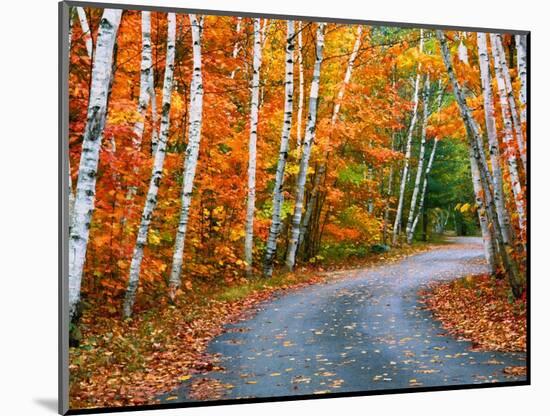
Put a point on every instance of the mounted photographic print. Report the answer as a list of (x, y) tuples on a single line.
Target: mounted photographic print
[(259, 207)]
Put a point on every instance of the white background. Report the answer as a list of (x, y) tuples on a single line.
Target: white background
[(28, 205)]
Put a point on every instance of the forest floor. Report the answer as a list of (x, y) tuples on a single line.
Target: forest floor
[(123, 363)]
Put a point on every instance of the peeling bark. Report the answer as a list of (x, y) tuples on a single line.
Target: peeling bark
[(191, 153), (156, 174), (306, 149), (278, 196), (91, 145)]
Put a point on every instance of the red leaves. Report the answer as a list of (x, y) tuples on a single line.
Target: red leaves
[(479, 308)]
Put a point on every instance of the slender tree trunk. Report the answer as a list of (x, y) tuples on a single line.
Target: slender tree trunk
[(521, 44), (477, 152), (306, 149), (236, 46), (156, 174), (87, 172), (301, 87), (501, 70), (482, 214), (254, 105), (492, 138), (399, 213), (85, 30), (424, 186), (278, 196), (319, 175), (510, 154), (388, 197), (191, 153), (426, 113)]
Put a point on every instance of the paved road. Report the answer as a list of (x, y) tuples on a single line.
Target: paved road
[(365, 332)]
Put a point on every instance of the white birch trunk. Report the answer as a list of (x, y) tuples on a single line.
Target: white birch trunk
[(335, 111), (488, 246), (301, 88), (85, 30), (87, 172), (492, 138), (278, 197), (426, 112), (404, 176), (306, 149), (521, 44), (154, 114), (156, 173), (503, 71), (510, 154), (425, 186), (477, 152), (254, 105), (236, 46), (191, 153)]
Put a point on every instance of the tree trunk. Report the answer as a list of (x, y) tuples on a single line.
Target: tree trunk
[(191, 153), (426, 113), (501, 70), (156, 174), (301, 88), (509, 137), (336, 110), (424, 187), (87, 172), (306, 149), (399, 213), (85, 30), (254, 104), (521, 45), (492, 138), (236, 46), (477, 152), (278, 196)]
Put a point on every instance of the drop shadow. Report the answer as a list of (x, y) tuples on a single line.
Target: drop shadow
[(47, 403)]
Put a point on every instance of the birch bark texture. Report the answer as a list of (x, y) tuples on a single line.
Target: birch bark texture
[(419, 171), (408, 146), (156, 173), (521, 45), (510, 153), (492, 137), (191, 153), (300, 88), (91, 145), (306, 149), (253, 136), (278, 196)]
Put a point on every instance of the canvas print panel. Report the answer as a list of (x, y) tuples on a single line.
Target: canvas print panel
[(263, 208)]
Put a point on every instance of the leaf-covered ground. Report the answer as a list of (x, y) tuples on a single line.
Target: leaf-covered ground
[(121, 363), (482, 310)]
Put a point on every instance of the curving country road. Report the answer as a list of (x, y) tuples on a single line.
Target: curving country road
[(364, 332)]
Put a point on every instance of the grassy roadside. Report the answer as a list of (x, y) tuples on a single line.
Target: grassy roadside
[(120, 363)]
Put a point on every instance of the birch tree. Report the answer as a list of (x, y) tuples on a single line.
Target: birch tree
[(254, 105), (334, 118), (156, 173), (300, 88), (477, 153), (408, 146), (492, 138), (306, 149), (521, 44), (91, 145), (426, 113), (191, 153), (236, 46), (85, 30), (278, 197), (502, 72), (508, 139)]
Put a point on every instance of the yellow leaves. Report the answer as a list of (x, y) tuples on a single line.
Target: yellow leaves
[(153, 238), (185, 377)]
